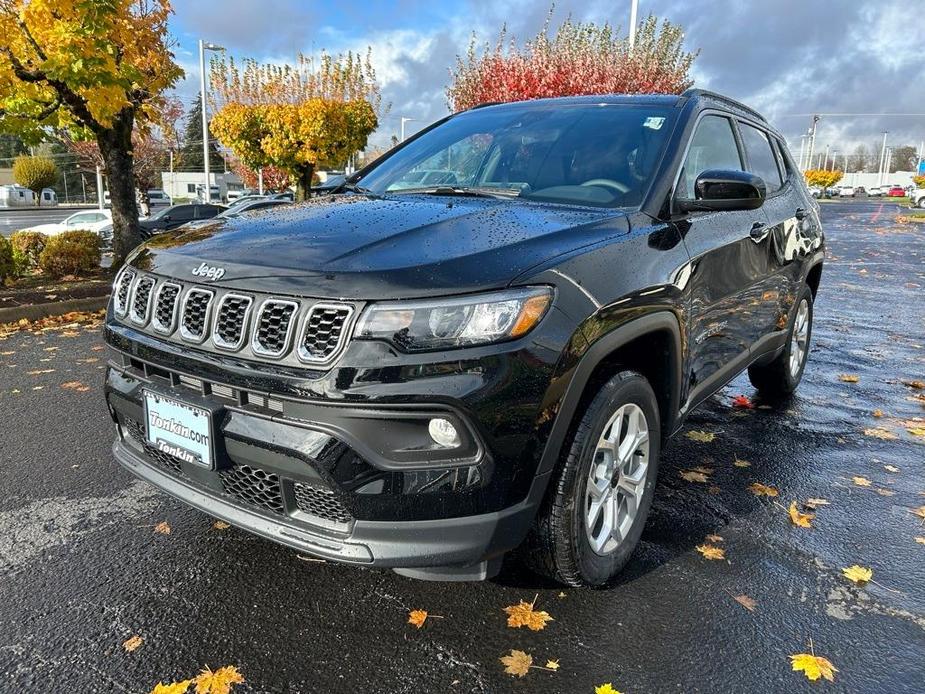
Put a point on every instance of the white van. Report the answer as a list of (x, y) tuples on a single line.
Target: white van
[(158, 198), (13, 195)]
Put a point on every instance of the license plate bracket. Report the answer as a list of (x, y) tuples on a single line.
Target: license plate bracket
[(180, 429)]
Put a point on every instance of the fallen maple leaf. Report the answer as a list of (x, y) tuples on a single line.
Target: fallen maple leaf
[(849, 378), (701, 436), (552, 665), (163, 528), (517, 663), (746, 602), (75, 385), (920, 512), (523, 615), (218, 682), (172, 688), (799, 519), (694, 476), (759, 489), (133, 643), (39, 372), (878, 413), (714, 538), (880, 433), (743, 401), (417, 618), (861, 481), (815, 503), (813, 666), (920, 540), (918, 385), (885, 492), (858, 574), (916, 431), (711, 551), (606, 688), (738, 462), (891, 468), (221, 525)]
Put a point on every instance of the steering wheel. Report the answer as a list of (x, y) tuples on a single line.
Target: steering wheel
[(607, 183)]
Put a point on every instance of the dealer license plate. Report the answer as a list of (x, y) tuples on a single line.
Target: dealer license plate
[(179, 429)]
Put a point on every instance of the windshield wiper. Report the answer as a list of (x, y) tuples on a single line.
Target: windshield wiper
[(464, 191)]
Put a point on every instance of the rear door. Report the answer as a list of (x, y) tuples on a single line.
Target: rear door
[(181, 214), (728, 266)]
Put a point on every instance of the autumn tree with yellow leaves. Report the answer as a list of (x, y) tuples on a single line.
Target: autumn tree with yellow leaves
[(297, 118), (822, 177), (94, 69)]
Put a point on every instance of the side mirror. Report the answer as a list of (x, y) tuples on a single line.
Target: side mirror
[(724, 190)]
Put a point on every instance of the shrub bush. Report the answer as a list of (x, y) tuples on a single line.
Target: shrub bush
[(71, 253), (7, 267), (27, 247)]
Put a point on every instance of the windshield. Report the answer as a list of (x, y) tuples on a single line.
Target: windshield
[(603, 155), (161, 213)]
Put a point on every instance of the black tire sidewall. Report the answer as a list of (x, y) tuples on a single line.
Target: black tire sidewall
[(594, 569)]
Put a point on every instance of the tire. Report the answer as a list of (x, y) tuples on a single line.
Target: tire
[(560, 544), (921, 204), (782, 376)]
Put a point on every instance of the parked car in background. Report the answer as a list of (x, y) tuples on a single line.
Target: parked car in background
[(236, 194), (860, 191), (846, 191), (815, 191), (177, 215), (243, 200), (896, 192), (875, 191), (426, 379), (917, 198), (215, 193), (285, 195), (157, 198), (89, 220), (237, 211)]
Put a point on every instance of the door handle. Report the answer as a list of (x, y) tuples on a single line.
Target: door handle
[(759, 232)]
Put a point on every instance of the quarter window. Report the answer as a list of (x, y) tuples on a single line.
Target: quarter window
[(761, 159), (712, 147)]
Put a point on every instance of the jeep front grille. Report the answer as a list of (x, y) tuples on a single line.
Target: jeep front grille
[(321, 503), (165, 307), (274, 325), (136, 430), (324, 332), (120, 305), (195, 316), (231, 321), (141, 300), (254, 486)]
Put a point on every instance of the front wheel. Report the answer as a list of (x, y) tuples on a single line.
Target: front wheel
[(594, 514), (782, 376)]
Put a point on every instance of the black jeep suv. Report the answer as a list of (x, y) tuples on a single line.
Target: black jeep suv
[(428, 377)]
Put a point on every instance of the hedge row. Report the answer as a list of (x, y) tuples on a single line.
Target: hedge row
[(68, 253)]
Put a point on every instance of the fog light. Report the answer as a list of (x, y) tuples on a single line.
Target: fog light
[(443, 432)]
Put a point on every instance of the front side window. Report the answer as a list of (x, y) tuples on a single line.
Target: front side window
[(603, 155), (761, 159), (713, 146)]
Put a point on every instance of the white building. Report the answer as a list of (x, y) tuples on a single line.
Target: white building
[(187, 185)]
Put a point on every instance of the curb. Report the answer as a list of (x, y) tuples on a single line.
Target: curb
[(34, 312)]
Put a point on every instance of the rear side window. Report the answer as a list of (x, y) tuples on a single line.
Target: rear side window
[(761, 158), (713, 146)]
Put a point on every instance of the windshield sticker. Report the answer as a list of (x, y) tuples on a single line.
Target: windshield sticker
[(654, 122)]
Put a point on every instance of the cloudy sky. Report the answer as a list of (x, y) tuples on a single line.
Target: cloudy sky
[(784, 57)]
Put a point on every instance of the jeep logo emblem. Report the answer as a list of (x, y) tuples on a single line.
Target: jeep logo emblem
[(209, 272)]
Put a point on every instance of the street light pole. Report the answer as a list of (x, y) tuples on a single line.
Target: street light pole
[(812, 141), (882, 157), (634, 9), (404, 119), (203, 47)]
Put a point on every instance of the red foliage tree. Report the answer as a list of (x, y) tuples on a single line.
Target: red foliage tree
[(274, 178), (580, 59)]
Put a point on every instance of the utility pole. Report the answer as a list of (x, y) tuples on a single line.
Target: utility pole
[(812, 140), (834, 159), (634, 10), (83, 184), (888, 162), (882, 158), (203, 47), (99, 188), (825, 159), (802, 147)]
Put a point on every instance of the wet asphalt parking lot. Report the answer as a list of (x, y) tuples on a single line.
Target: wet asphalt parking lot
[(82, 569)]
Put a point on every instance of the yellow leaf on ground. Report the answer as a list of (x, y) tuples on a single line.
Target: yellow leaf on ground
[(701, 436), (920, 512), (172, 688), (878, 413), (75, 385), (39, 372), (920, 540), (858, 574), (746, 602), (523, 615), (132, 643), (885, 492), (916, 431), (163, 528), (861, 481), (517, 663), (714, 538), (711, 551), (552, 665), (417, 618), (221, 525), (891, 468), (738, 462), (218, 682), (800, 519), (759, 489), (694, 476), (815, 503), (813, 666), (918, 385), (849, 378), (879, 433), (606, 688)]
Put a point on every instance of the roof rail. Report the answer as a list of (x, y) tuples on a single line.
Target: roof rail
[(725, 99)]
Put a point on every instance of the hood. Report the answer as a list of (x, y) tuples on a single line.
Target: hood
[(359, 247)]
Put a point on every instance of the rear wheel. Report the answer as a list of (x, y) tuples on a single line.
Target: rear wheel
[(783, 375), (601, 493)]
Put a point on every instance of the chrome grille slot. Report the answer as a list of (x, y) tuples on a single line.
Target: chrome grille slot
[(231, 321), (223, 391), (324, 332), (274, 327), (123, 290), (165, 307), (195, 315), (141, 300)]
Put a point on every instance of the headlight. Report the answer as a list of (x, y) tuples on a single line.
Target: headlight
[(479, 319)]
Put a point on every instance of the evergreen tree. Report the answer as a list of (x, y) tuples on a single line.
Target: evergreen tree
[(11, 146), (191, 152)]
